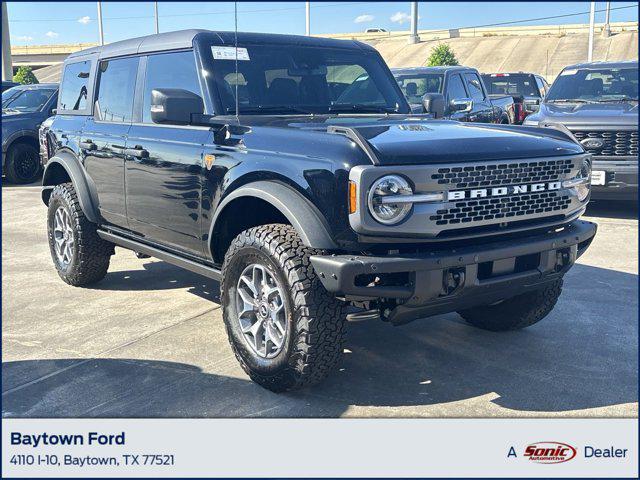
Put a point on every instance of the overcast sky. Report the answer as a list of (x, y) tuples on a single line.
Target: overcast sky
[(39, 23)]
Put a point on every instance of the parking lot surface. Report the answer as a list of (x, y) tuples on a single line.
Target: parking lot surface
[(149, 341)]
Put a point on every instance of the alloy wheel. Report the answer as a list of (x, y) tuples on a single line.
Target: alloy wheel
[(261, 311)]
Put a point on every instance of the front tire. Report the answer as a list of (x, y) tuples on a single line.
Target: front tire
[(515, 313), (23, 163), (284, 328), (80, 256)]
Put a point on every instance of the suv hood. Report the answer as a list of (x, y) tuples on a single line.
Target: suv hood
[(6, 116), (590, 114), (423, 142), (415, 140)]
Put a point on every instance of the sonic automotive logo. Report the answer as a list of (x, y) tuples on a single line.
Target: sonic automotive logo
[(550, 452)]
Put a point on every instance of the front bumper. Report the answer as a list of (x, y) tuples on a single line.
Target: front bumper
[(445, 281), (621, 179)]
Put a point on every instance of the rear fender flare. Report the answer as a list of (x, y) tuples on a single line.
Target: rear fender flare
[(303, 215), (78, 176)]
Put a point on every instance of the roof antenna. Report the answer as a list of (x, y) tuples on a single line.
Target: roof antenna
[(235, 9)]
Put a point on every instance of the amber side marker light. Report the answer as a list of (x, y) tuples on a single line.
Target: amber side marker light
[(352, 197)]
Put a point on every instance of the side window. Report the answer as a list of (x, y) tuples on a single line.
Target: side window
[(74, 88), (474, 86), (171, 70), (455, 88), (116, 87)]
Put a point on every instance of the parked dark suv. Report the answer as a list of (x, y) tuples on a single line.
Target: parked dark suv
[(290, 169), (24, 108)]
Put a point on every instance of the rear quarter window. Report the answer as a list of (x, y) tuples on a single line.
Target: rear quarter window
[(75, 88)]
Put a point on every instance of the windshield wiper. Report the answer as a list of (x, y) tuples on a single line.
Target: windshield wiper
[(284, 109), (360, 109), (570, 100), (615, 100)]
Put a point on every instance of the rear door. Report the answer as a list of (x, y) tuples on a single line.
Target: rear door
[(482, 107), (104, 135), (164, 162)]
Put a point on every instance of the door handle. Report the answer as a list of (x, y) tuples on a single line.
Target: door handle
[(137, 152), (87, 145)]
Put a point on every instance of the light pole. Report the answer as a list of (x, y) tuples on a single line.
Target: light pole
[(606, 31), (100, 23), (308, 17), (7, 66), (155, 11), (413, 38), (592, 18)]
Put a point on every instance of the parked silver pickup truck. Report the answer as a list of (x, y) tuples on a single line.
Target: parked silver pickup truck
[(598, 103)]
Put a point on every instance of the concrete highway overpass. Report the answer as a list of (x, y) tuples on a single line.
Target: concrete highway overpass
[(541, 49)]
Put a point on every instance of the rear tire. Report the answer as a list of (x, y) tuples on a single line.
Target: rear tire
[(313, 323), (515, 313), (23, 163), (80, 256)]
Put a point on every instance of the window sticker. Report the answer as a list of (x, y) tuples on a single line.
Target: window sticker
[(569, 72), (229, 53)]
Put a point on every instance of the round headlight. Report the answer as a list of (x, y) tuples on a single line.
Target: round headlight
[(583, 189), (381, 196)]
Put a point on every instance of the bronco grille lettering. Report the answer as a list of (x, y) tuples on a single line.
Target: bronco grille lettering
[(502, 191)]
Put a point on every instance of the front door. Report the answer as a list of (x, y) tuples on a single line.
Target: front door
[(455, 90), (482, 107), (103, 137), (164, 164)]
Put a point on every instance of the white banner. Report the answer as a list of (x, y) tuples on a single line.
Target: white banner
[(597, 448)]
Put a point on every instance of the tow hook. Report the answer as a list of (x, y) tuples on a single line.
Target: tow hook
[(452, 280)]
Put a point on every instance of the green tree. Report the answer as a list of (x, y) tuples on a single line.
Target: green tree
[(442, 55), (25, 76)]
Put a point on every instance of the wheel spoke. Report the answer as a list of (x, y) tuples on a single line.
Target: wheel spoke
[(275, 337), (249, 283), (258, 278), (248, 302), (67, 252)]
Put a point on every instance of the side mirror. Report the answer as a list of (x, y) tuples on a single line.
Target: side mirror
[(461, 105), (433, 103), (175, 106), (53, 112)]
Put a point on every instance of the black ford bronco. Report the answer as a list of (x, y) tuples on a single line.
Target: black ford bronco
[(290, 169)]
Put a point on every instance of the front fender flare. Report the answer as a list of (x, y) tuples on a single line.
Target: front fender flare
[(76, 173), (303, 215)]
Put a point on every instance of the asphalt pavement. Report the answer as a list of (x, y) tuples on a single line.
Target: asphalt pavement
[(149, 341)]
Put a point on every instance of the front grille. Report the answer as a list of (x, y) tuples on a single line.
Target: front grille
[(503, 174), (616, 143), (501, 208)]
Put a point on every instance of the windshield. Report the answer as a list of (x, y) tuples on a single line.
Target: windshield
[(522, 85), (595, 85), (416, 86), (11, 92), (26, 100), (304, 80)]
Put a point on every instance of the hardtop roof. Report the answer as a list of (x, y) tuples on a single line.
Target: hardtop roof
[(184, 39), (619, 64)]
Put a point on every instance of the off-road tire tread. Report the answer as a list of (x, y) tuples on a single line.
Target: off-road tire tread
[(318, 317), (93, 253), (518, 312)]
